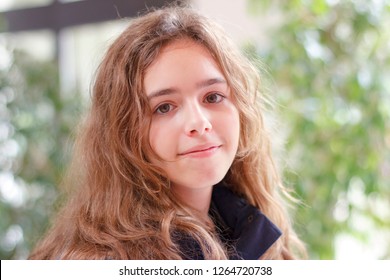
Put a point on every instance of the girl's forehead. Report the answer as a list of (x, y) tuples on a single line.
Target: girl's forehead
[(183, 44), (177, 49), (181, 64)]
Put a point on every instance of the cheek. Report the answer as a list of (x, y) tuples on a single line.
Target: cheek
[(161, 139), (231, 126), (154, 133)]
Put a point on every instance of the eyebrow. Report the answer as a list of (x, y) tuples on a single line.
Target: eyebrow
[(199, 85), (210, 82)]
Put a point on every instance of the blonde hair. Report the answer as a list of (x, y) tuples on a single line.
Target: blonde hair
[(122, 207)]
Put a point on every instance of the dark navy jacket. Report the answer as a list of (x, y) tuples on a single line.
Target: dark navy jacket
[(246, 231)]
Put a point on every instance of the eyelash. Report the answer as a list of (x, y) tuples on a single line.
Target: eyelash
[(160, 106), (218, 95)]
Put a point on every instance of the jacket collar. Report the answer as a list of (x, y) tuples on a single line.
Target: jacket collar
[(242, 224)]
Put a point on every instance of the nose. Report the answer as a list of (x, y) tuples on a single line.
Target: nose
[(197, 120)]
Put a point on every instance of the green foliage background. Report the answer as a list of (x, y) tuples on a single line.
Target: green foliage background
[(329, 63), (35, 143)]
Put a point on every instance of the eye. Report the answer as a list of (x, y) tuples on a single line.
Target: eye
[(164, 108), (214, 98)]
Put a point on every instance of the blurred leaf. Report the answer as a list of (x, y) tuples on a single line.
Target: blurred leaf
[(329, 61), (41, 120)]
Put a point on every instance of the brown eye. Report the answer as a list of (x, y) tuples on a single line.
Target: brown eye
[(164, 108), (214, 98)]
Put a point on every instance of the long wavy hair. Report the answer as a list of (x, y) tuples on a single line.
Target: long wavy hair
[(121, 205)]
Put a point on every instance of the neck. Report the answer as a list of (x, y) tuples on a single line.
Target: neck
[(197, 198)]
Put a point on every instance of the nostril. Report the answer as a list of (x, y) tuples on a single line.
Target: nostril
[(197, 121)]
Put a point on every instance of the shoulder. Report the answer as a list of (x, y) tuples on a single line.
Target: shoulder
[(252, 232)]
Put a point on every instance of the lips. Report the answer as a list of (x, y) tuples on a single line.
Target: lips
[(201, 149)]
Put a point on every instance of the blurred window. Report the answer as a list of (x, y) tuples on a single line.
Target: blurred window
[(6, 5), (40, 44)]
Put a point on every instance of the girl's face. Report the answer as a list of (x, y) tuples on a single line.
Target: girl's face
[(195, 125)]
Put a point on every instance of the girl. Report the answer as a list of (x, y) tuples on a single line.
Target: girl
[(173, 161)]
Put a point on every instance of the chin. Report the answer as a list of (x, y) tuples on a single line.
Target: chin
[(201, 180)]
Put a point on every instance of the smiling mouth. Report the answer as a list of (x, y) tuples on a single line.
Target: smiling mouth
[(202, 152)]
